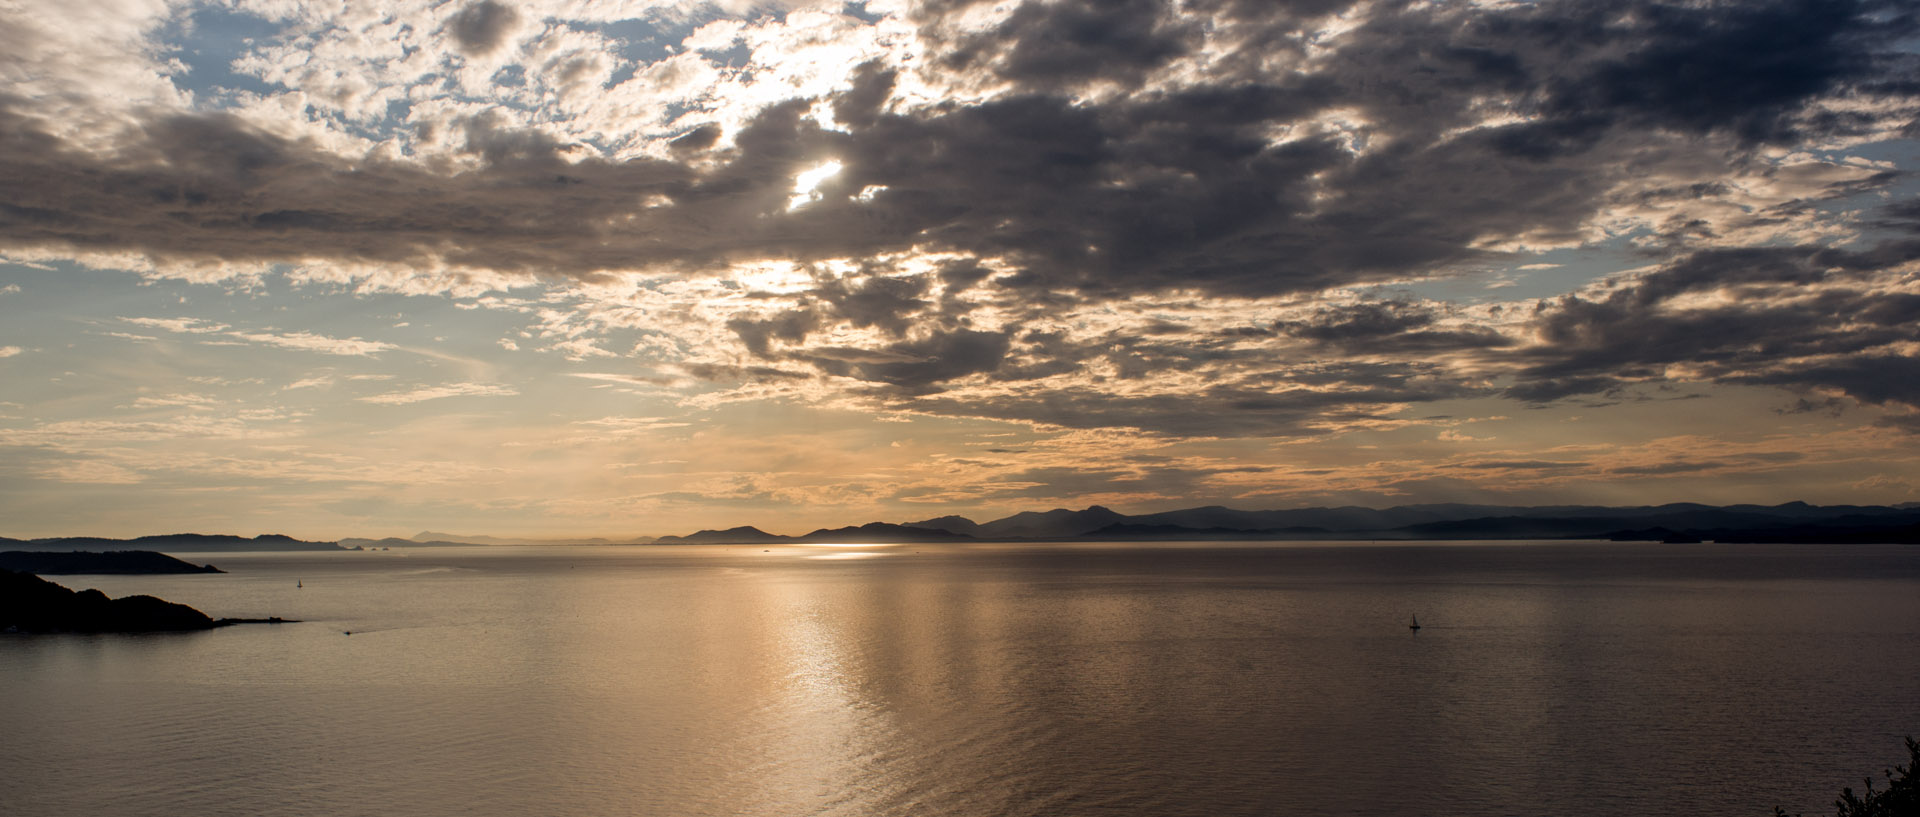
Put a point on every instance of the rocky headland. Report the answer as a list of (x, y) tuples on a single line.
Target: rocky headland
[(112, 562), (30, 604)]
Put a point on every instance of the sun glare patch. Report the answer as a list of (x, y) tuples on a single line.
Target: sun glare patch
[(805, 185)]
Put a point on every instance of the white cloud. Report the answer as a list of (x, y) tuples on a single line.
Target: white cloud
[(174, 400), (309, 342), (193, 326), (400, 398), (10, 351), (66, 434), (303, 341), (99, 473), (631, 425), (85, 78), (630, 379)]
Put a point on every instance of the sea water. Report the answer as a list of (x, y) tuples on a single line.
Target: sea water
[(1083, 679)]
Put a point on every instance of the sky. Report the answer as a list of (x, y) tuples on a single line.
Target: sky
[(566, 268)]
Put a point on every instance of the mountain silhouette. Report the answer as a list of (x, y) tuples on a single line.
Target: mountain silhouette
[(1674, 522), (743, 535), (881, 533), (171, 542), (950, 524), (30, 604), (1058, 523), (114, 562)]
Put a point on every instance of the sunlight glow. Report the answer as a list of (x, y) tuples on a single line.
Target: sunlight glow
[(848, 544), (805, 184)]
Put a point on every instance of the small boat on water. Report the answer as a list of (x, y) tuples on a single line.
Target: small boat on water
[(297, 585), (1415, 626)]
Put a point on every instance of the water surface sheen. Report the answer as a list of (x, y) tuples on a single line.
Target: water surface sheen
[(1550, 678)]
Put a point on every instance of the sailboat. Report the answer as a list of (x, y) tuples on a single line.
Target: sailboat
[(1415, 626), (297, 585)]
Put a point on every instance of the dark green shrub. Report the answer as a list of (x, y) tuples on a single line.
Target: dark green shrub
[(1901, 797)]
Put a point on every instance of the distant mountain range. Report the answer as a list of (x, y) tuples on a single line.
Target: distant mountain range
[(428, 538), (169, 542), (870, 533), (84, 562), (1679, 522)]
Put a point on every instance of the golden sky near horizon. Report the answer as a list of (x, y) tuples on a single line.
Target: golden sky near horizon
[(623, 269)]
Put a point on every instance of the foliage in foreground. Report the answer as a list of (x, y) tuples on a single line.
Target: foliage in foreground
[(1901, 798)]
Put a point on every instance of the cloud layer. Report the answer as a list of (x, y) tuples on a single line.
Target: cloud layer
[(1185, 221)]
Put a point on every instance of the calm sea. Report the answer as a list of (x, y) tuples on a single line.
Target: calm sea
[(1549, 679)]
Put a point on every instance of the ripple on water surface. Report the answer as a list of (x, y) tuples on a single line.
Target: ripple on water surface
[(930, 680)]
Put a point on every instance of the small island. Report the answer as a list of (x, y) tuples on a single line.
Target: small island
[(30, 604), (112, 562)]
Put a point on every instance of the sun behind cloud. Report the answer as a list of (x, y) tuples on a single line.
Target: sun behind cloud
[(354, 266)]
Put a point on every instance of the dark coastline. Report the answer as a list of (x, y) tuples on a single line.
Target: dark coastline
[(32, 605), (1673, 523), (182, 542), (108, 563)]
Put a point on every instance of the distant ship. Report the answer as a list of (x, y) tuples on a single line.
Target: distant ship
[(1415, 626)]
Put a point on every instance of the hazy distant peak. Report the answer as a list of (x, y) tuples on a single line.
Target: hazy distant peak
[(744, 534), (1056, 523), (878, 532), (426, 536), (1795, 521), (949, 523)]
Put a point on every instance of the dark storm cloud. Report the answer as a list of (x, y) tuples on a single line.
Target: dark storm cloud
[(1143, 188), (1807, 318), (859, 106), (1517, 465), (1187, 188), (1277, 404), (1164, 480), (885, 302), (211, 187), (1390, 327), (1744, 67), (1141, 192), (929, 347), (1058, 45), (758, 334), (1665, 468), (699, 138), (1875, 379), (917, 364), (713, 372), (1908, 422), (482, 27), (912, 364)]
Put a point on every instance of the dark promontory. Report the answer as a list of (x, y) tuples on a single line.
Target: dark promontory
[(112, 562), (173, 543), (30, 604)]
